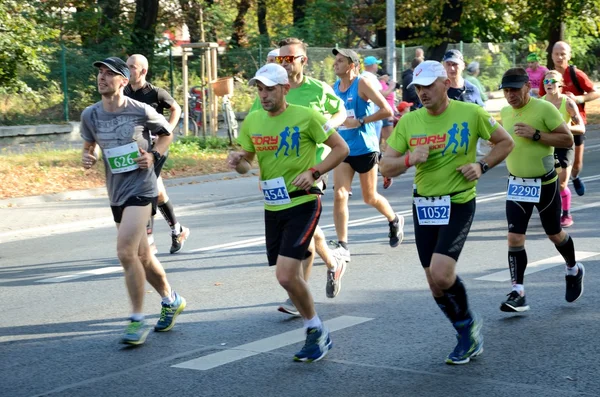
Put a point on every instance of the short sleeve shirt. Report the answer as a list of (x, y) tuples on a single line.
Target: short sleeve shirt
[(452, 138), (285, 145), (530, 159), (536, 76), (110, 130), (156, 97)]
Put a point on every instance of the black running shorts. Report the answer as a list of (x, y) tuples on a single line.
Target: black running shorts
[(444, 239), (578, 139), (364, 162), (288, 232), (518, 213), (564, 157), (135, 201)]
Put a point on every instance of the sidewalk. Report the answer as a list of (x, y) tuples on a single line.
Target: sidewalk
[(36, 216)]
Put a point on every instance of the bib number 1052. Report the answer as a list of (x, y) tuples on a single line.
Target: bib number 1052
[(433, 211)]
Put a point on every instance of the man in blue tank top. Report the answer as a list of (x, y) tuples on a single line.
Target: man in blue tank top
[(359, 133)]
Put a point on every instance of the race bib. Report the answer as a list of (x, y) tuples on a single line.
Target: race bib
[(526, 190), (120, 159), (433, 210), (349, 115), (275, 192)]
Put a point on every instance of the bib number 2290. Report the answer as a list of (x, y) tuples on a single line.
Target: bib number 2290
[(525, 190)]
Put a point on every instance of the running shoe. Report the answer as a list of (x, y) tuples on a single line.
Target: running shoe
[(470, 342), (387, 182), (169, 313), (514, 303), (575, 284), (135, 333), (334, 278), (579, 186), (340, 251), (566, 221), (288, 307), (179, 239), (350, 193), (396, 234), (316, 346)]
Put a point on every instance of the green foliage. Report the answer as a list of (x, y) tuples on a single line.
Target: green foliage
[(192, 144)]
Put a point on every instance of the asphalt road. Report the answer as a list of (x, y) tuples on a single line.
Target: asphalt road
[(65, 306)]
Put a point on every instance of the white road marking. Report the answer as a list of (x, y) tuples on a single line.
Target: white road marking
[(95, 272), (264, 345), (504, 275)]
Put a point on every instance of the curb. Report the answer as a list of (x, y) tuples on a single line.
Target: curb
[(101, 191)]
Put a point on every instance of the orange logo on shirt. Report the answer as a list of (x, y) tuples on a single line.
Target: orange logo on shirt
[(433, 141)]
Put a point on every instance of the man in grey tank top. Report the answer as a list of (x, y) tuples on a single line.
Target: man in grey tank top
[(121, 127)]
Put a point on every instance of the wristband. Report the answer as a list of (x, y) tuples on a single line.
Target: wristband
[(407, 160), (326, 126)]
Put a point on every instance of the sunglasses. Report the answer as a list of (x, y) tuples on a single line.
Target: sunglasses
[(287, 58), (550, 81)]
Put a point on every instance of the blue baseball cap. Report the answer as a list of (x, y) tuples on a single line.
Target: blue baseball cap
[(371, 60)]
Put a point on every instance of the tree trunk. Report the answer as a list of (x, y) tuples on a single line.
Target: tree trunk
[(261, 13), (143, 34), (451, 14), (239, 38), (110, 21), (299, 9), (556, 28)]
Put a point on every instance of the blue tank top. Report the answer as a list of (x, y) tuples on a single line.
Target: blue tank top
[(360, 140)]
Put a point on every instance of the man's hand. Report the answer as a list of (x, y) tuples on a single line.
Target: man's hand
[(419, 155), (471, 171), (304, 181), (89, 158), (145, 160), (237, 161), (524, 131), (351, 123)]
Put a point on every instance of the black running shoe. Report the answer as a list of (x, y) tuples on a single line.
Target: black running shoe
[(579, 186), (514, 303), (396, 233), (575, 284)]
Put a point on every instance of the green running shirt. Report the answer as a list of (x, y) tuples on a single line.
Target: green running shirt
[(452, 139), (285, 145)]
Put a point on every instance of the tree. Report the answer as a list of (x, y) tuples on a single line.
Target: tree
[(21, 45), (261, 13), (143, 34), (239, 37)]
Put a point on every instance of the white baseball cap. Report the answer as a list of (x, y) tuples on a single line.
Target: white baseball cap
[(427, 72), (273, 53), (270, 75)]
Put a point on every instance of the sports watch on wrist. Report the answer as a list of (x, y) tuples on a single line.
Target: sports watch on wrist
[(484, 166), (536, 135), (315, 173), (361, 121), (157, 156)]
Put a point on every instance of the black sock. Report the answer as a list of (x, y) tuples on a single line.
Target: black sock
[(343, 244), (454, 303), (566, 213), (166, 209), (517, 263), (567, 250), (396, 220)]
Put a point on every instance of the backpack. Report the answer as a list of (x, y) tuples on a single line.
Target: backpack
[(576, 81)]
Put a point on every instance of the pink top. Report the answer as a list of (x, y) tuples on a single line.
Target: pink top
[(536, 76), (391, 98)]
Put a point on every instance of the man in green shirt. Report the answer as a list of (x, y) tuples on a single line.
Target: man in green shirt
[(312, 93), (288, 182), (537, 127), (440, 140)]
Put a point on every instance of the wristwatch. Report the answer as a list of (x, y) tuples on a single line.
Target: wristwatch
[(484, 166), (536, 135), (315, 173), (361, 121), (157, 156)]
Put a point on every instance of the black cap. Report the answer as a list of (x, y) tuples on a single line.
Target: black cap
[(514, 81), (348, 54), (115, 64)]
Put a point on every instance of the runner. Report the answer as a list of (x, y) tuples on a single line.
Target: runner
[(140, 90), (564, 156), (359, 132), (272, 55), (537, 127), (292, 201), (444, 193), (577, 86), (308, 92), (119, 126), (536, 74)]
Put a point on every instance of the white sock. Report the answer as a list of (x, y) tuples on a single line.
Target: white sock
[(150, 239), (169, 299), (519, 288), (137, 316), (314, 322), (572, 271), (176, 229)]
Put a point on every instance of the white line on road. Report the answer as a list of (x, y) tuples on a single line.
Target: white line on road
[(95, 272), (504, 275), (264, 345)]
